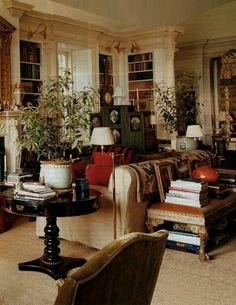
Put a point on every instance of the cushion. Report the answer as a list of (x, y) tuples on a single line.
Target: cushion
[(78, 170), (98, 174), (102, 158)]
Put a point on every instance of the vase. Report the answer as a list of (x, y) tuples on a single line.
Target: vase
[(57, 176), (185, 144), (206, 173)]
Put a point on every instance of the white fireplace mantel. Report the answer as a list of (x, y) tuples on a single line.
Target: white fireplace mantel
[(9, 130)]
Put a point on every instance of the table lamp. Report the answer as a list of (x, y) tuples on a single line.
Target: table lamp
[(221, 117), (102, 136), (194, 132)]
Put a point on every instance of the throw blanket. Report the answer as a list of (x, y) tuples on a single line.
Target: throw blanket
[(147, 186)]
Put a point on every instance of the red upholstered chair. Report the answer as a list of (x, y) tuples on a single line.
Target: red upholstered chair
[(99, 169)]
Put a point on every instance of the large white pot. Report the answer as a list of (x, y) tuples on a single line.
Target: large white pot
[(56, 175)]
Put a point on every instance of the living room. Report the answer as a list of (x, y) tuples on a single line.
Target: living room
[(76, 35)]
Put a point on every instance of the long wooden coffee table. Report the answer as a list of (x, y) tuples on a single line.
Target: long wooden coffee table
[(198, 220)]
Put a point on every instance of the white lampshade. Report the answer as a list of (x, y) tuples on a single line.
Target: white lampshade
[(221, 117), (101, 136), (194, 131)]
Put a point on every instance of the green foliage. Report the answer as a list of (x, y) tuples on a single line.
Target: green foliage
[(166, 105), (60, 120), (178, 104)]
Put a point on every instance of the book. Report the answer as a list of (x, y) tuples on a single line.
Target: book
[(193, 202), (42, 192), (187, 194), (184, 237), (190, 184), (182, 246), (182, 189), (30, 198)]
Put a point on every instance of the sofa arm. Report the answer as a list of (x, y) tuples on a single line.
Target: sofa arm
[(132, 213)]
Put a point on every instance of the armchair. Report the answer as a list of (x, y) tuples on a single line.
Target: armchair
[(118, 273)]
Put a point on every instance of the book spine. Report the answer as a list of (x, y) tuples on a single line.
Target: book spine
[(175, 188), (182, 246), (184, 237), (189, 195), (183, 201)]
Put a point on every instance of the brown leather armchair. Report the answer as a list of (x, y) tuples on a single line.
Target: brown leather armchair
[(123, 272)]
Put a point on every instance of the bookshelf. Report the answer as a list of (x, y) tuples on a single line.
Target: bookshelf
[(105, 78), (140, 75), (30, 70)]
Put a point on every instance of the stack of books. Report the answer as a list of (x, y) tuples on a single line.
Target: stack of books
[(218, 191), (188, 192), (184, 241), (33, 191), (14, 178), (228, 177)]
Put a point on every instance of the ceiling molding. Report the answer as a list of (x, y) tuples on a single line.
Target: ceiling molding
[(16, 8)]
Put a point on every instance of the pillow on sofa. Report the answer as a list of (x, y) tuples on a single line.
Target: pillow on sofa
[(98, 175)]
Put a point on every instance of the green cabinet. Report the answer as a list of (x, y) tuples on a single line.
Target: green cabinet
[(130, 128)]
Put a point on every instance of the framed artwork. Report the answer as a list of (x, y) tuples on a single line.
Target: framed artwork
[(96, 120), (135, 123), (183, 168), (114, 115), (116, 133), (164, 177)]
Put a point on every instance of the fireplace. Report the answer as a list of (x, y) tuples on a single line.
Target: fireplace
[(9, 131)]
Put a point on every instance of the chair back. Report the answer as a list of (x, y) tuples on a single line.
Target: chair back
[(122, 273)]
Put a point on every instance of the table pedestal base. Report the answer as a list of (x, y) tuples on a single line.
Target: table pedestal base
[(57, 271)]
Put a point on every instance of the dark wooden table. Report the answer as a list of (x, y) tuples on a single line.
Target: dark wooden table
[(51, 262)]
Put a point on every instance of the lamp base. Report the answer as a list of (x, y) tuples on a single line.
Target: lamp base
[(185, 144)]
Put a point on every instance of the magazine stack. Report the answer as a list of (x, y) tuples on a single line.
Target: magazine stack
[(33, 191)]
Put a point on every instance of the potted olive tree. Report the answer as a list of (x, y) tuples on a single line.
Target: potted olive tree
[(59, 122), (178, 105)]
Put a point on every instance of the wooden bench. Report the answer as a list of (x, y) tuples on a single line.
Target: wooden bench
[(198, 220)]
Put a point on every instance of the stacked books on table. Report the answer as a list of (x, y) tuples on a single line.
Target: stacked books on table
[(188, 192), (14, 178), (183, 241), (218, 191), (228, 177), (33, 191)]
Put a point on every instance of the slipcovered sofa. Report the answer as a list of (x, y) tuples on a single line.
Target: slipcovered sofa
[(132, 200)]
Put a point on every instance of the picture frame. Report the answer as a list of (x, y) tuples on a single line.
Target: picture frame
[(96, 120), (182, 168), (164, 177), (135, 122), (116, 133), (114, 116)]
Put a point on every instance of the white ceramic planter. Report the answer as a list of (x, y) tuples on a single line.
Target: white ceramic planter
[(56, 175)]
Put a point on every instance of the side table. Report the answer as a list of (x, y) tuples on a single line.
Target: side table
[(51, 262), (199, 220)]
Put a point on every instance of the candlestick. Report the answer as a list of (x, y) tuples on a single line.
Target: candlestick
[(137, 95)]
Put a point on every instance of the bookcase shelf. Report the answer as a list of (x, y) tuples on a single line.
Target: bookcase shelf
[(105, 77), (30, 70), (140, 75)]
